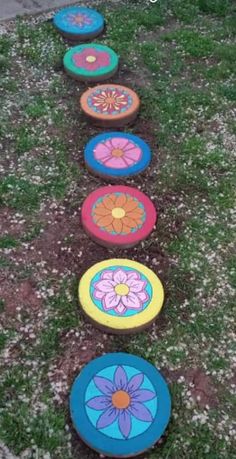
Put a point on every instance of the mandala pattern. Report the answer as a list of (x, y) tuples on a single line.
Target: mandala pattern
[(122, 399), (91, 59), (118, 153), (118, 213), (121, 290), (110, 101), (79, 19)]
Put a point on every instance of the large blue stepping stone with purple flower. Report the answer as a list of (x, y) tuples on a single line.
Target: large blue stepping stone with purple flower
[(120, 405)]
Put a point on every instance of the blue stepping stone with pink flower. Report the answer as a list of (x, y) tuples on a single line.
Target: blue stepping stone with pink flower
[(120, 405), (117, 154)]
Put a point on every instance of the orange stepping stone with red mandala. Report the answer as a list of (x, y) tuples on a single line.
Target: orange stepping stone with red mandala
[(118, 216), (110, 105)]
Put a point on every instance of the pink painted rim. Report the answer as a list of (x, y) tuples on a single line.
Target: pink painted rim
[(132, 238)]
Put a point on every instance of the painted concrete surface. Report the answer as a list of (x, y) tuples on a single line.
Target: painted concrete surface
[(11, 8)]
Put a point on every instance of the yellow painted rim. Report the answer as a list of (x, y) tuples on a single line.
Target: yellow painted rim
[(114, 322)]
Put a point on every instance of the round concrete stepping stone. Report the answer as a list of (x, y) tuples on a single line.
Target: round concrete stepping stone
[(110, 105), (118, 216), (120, 405), (117, 154), (79, 23), (121, 296), (91, 62)]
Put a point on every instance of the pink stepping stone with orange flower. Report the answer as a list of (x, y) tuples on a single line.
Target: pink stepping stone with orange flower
[(118, 216), (113, 155), (120, 295), (91, 62)]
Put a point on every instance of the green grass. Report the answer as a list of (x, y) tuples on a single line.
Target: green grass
[(181, 56)]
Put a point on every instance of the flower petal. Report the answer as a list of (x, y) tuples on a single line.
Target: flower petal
[(101, 211), (104, 385), (104, 221), (120, 309), (135, 382), (98, 295), (121, 200), (143, 395), (143, 296), (120, 378), (105, 285), (131, 301), (130, 222), (99, 403), (120, 276), (117, 225), (120, 143), (108, 202), (139, 411), (136, 286), (115, 163), (133, 153), (101, 152), (130, 204), (133, 275), (124, 422), (111, 300), (107, 418), (107, 274)]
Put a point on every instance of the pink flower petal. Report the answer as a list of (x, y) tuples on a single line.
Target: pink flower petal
[(136, 285), (105, 285), (134, 154), (143, 296), (133, 275), (108, 274), (101, 152), (120, 143), (131, 301), (120, 276), (115, 163), (111, 300), (120, 309), (98, 295)]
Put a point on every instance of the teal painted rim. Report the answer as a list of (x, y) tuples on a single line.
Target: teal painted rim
[(80, 71)]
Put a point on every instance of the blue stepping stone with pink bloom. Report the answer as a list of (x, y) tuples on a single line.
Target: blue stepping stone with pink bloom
[(117, 154), (120, 405), (79, 23)]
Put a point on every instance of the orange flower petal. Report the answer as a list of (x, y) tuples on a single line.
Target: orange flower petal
[(109, 229), (108, 202), (121, 200), (100, 210), (117, 225), (135, 215), (126, 229), (130, 205), (105, 221), (130, 222)]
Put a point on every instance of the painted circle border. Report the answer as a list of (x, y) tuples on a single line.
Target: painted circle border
[(96, 29), (101, 117), (117, 323), (87, 431), (93, 164), (77, 71), (106, 238)]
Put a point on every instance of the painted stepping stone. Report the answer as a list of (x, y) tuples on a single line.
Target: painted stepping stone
[(117, 154), (91, 62), (120, 405), (79, 23), (121, 296), (118, 216), (110, 105)]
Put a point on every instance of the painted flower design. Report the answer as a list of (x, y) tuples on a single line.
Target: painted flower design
[(118, 213), (121, 290), (122, 400), (91, 59), (110, 101), (79, 19), (117, 153)]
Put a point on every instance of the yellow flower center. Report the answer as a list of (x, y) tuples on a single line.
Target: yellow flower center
[(120, 399), (91, 59), (118, 212), (117, 152), (122, 289)]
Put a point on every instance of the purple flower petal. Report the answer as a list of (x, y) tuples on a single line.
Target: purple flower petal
[(139, 411), (143, 395), (107, 418), (135, 382), (120, 378), (99, 403), (104, 385), (124, 422)]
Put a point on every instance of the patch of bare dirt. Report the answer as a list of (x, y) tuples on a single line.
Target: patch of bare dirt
[(19, 295)]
